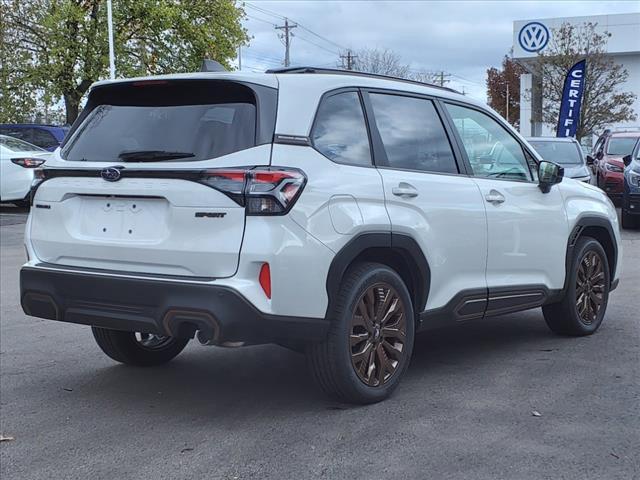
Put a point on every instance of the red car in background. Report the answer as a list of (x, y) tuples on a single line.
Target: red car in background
[(606, 159)]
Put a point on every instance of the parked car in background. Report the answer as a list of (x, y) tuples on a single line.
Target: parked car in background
[(48, 137), (631, 194), (564, 151), (607, 160), (18, 159)]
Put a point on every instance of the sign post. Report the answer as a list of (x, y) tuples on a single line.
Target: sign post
[(571, 102)]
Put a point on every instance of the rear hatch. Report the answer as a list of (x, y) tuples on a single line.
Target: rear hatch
[(144, 182)]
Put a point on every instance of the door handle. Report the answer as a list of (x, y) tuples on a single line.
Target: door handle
[(494, 197), (404, 190)]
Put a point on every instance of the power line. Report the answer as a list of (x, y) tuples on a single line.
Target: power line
[(264, 10), (303, 27), (260, 20), (319, 46)]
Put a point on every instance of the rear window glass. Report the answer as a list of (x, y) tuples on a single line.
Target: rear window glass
[(164, 123)]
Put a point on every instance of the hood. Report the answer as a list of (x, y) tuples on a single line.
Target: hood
[(576, 171)]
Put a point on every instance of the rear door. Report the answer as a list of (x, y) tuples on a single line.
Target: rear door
[(141, 186), (528, 229), (429, 198)]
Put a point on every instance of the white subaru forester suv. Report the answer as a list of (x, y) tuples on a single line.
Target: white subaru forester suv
[(330, 212)]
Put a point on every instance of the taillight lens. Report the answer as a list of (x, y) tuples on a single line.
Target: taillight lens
[(28, 162), (261, 190)]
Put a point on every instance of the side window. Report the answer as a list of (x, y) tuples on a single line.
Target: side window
[(339, 131), (412, 134), (492, 150), (44, 139)]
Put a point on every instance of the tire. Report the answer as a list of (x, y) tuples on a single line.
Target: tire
[(628, 221), (125, 347), (566, 317), (333, 361)]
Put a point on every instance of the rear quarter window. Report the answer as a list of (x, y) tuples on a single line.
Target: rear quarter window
[(339, 131)]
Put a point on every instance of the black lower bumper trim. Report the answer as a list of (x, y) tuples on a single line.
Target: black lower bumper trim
[(155, 306)]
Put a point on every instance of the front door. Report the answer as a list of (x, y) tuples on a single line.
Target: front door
[(527, 229)]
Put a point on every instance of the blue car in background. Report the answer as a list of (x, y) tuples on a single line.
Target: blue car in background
[(631, 192), (48, 137)]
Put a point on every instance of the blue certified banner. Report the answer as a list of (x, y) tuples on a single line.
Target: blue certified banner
[(571, 100)]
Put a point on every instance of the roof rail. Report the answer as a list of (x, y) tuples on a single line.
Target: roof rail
[(338, 71)]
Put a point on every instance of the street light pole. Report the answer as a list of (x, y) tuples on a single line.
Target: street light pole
[(112, 60)]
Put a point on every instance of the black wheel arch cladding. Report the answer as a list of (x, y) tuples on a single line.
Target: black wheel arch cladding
[(398, 251)]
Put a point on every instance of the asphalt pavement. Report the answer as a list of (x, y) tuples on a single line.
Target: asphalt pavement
[(501, 398)]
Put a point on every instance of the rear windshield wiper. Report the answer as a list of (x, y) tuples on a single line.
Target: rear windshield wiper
[(152, 155)]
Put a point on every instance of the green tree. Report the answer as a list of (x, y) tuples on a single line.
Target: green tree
[(56, 49), (603, 102)]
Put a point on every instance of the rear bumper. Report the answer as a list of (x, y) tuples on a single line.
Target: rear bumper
[(157, 306)]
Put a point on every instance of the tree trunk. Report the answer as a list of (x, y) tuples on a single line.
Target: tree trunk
[(71, 106)]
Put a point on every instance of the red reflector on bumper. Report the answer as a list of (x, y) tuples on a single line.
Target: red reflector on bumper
[(265, 279)]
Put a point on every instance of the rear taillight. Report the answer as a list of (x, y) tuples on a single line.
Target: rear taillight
[(261, 190), (28, 162)]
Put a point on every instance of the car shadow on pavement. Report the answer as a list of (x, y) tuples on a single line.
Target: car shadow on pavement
[(211, 381)]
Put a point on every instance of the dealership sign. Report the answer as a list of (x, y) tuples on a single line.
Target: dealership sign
[(533, 37), (571, 100)]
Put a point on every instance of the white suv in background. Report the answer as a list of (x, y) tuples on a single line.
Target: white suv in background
[(327, 211)]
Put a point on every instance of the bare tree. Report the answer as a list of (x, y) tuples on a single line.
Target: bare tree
[(603, 103), (388, 62)]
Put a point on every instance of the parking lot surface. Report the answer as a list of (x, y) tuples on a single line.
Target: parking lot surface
[(464, 410)]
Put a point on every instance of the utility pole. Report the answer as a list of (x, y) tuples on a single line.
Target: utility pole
[(286, 35), (112, 61), (507, 106), (442, 78), (350, 60), (239, 58)]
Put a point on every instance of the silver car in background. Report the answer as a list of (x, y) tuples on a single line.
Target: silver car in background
[(566, 152)]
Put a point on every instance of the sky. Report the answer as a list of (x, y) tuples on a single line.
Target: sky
[(463, 38)]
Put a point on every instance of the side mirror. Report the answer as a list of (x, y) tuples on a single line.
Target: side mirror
[(548, 175), (599, 155), (627, 160), (590, 160)]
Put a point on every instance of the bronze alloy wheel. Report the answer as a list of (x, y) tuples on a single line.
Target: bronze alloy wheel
[(378, 332), (590, 287)]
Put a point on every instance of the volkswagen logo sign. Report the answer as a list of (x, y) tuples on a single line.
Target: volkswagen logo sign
[(533, 37), (111, 174)]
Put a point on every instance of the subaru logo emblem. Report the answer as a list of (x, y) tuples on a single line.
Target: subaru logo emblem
[(111, 174), (533, 37)]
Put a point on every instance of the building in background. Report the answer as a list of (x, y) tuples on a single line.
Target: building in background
[(534, 35)]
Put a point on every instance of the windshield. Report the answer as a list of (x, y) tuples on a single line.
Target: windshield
[(621, 146), (17, 145), (562, 153)]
